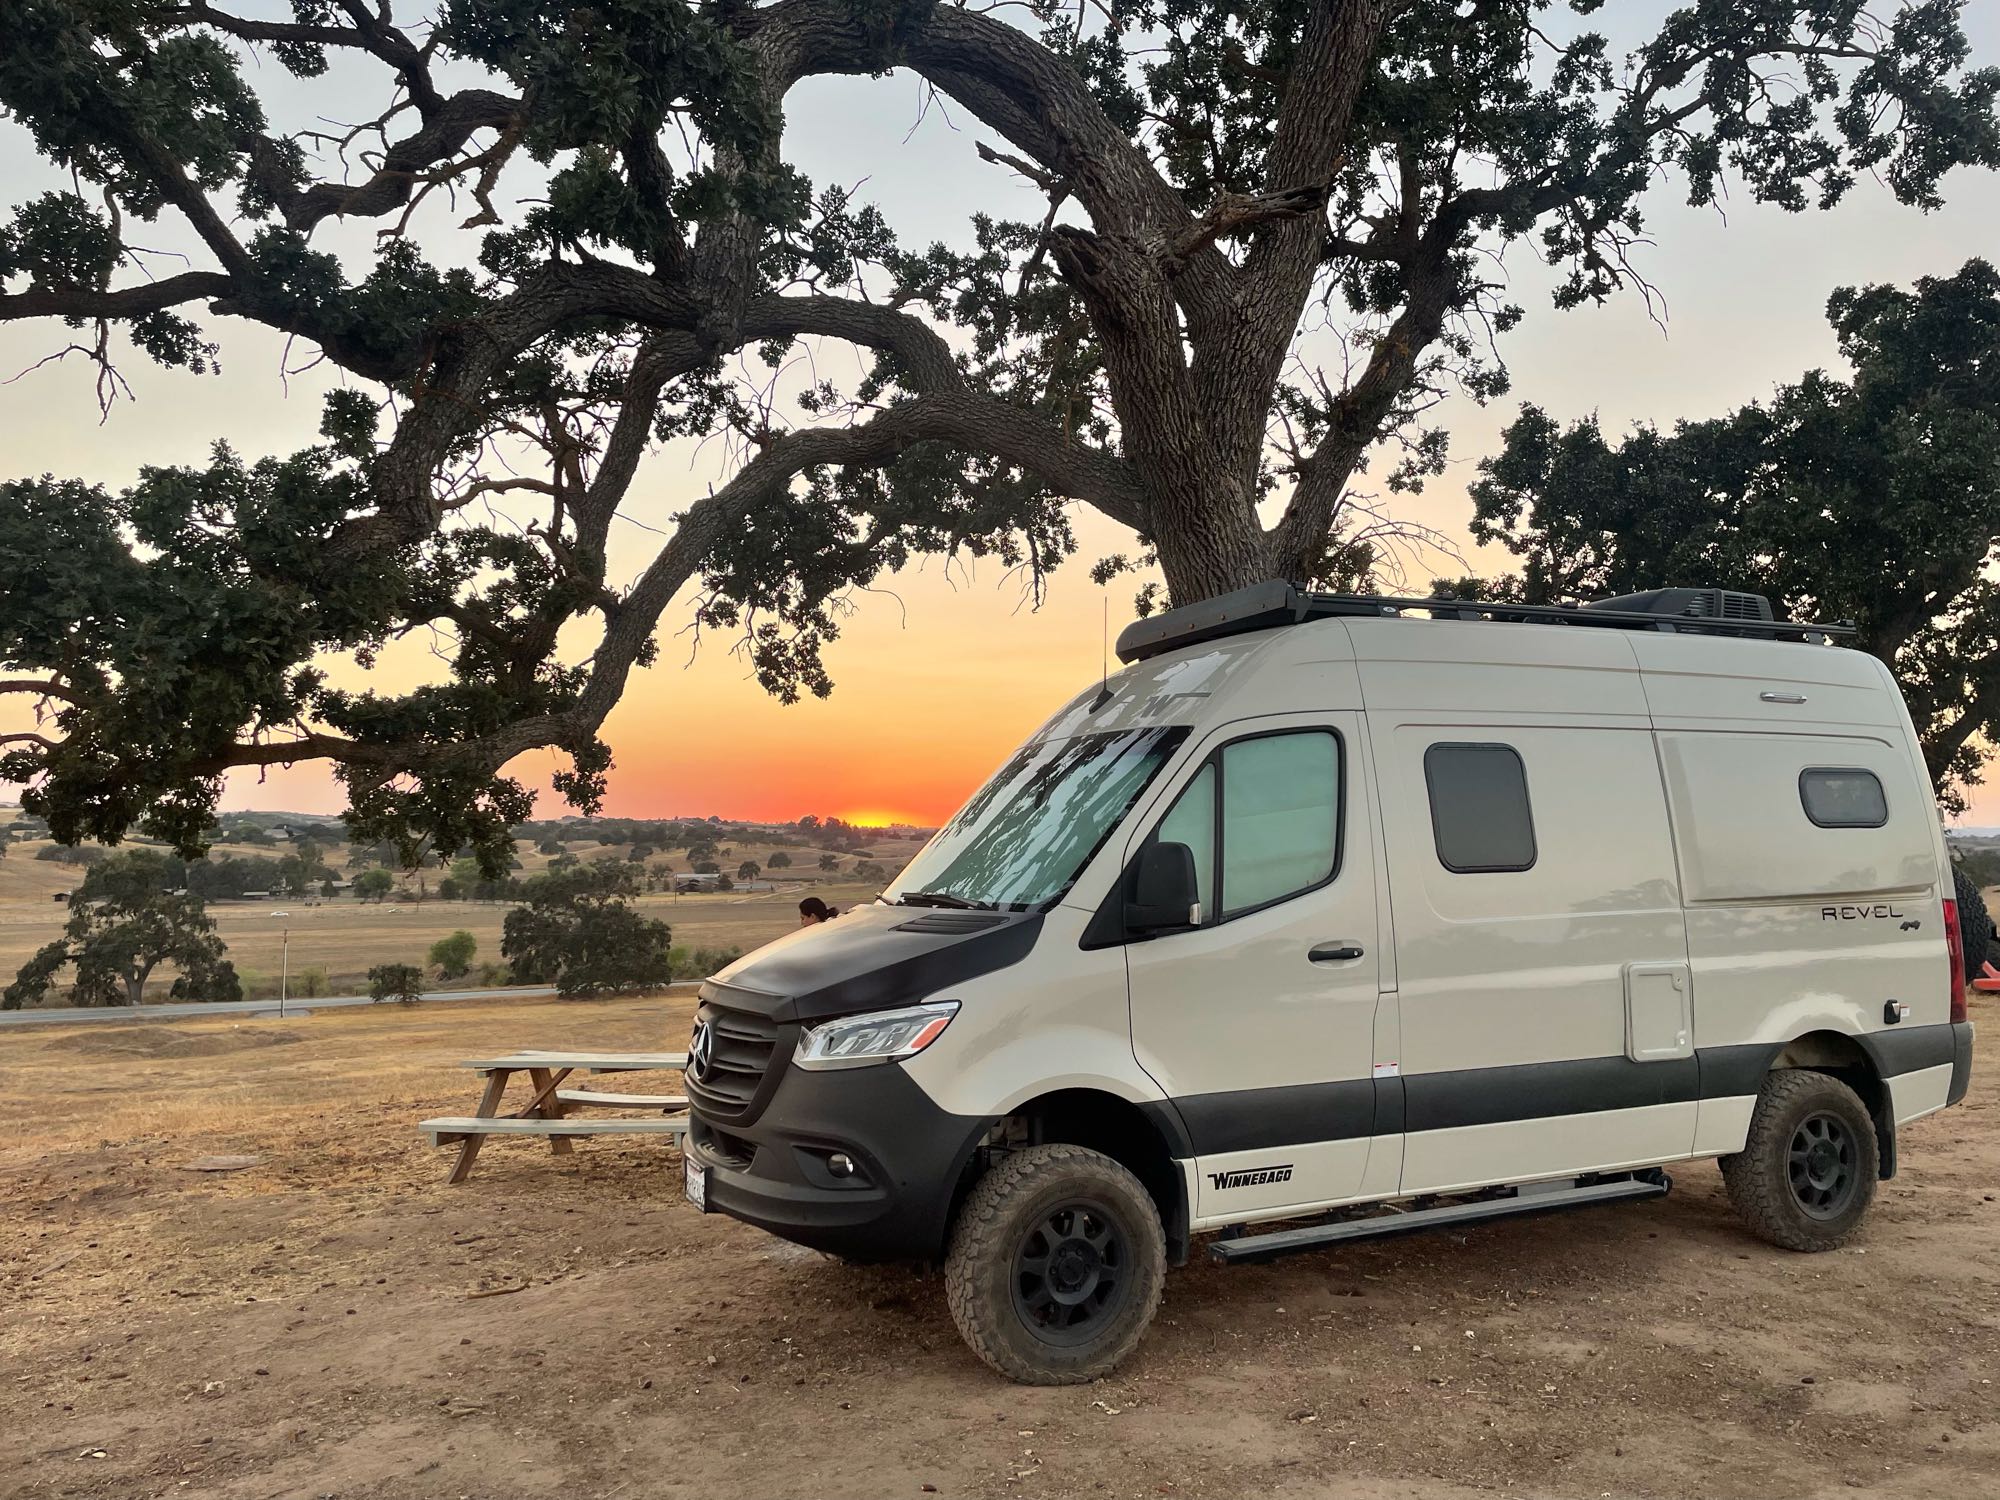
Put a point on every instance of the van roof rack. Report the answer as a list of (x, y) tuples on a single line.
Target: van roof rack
[(1265, 605)]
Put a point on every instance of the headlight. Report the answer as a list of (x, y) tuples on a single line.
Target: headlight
[(880, 1036)]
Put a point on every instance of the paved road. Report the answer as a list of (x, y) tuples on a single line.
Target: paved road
[(174, 1012)]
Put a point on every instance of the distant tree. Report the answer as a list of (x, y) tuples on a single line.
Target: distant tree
[(868, 869), (311, 983), (779, 860), (125, 920), (373, 885), (748, 870), (549, 847), (453, 955), (639, 853), (402, 982), (329, 888), (297, 873), (705, 867), (828, 862), (577, 931), (68, 854), (700, 849), (808, 824), (1874, 499)]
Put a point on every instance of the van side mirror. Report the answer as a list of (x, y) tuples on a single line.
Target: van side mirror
[(1166, 894)]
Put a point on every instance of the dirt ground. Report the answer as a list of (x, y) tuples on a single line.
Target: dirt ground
[(335, 1322)]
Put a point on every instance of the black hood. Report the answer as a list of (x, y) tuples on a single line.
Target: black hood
[(875, 957)]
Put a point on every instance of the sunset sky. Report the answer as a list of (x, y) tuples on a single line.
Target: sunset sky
[(942, 670)]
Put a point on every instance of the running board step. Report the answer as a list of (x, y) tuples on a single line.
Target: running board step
[(1533, 1200)]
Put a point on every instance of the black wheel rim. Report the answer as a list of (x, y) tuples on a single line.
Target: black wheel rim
[(1822, 1166), (1072, 1269)]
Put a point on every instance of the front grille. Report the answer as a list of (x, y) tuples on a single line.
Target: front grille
[(745, 1045)]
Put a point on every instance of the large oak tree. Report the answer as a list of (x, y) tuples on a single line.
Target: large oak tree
[(1874, 499), (630, 238)]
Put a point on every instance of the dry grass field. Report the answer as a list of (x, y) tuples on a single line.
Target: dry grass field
[(343, 938), (336, 1324)]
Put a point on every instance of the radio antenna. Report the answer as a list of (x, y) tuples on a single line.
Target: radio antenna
[(1104, 685)]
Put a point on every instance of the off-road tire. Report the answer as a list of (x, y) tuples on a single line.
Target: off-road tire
[(1975, 922), (1004, 1210), (1760, 1177)]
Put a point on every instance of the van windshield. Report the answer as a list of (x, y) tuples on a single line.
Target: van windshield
[(1026, 835)]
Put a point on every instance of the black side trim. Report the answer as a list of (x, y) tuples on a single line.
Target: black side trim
[(1961, 1061), (1907, 1049), (1389, 1106), (1298, 1114), (1731, 1072), (1533, 1091), (1251, 1119)]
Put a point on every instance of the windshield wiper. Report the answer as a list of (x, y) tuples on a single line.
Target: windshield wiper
[(942, 898)]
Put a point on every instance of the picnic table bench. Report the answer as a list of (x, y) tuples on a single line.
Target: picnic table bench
[(547, 1110)]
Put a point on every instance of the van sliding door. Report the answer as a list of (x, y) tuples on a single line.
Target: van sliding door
[(1543, 984)]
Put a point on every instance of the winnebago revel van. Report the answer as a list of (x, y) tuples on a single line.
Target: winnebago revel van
[(1326, 903)]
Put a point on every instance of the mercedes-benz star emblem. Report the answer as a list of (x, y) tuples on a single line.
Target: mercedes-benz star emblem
[(701, 1051)]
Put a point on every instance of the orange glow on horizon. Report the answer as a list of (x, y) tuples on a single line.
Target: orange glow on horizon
[(885, 820)]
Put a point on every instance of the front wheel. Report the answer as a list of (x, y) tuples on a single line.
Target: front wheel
[(1055, 1265), (1806, 1173)]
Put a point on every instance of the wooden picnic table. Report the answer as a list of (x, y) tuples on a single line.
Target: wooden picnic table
[(546, 1110)]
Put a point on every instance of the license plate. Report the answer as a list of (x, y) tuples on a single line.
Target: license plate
[(697, 1185)]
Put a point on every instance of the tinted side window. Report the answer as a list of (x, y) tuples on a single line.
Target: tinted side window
[(1843, 797), (1280, 817), (1480, 818), (1262, 820), (1192, 822)]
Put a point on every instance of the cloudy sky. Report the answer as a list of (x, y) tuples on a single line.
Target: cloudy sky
[(940, 671)]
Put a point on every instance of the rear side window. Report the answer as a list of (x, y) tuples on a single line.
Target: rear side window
[(1480, 818), (1843, 797)]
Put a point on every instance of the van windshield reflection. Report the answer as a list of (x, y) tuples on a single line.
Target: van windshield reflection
[(1027, 834)]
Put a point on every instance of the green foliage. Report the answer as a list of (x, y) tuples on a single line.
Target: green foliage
[(868, 869), (829, 862), (312, 982), (452, 956), (779, 860), (129, 916), (67, 854), (1875, 500), (699, 963), (373, 885), (748, 870), (400, 982), (576, 930), (633, 256)]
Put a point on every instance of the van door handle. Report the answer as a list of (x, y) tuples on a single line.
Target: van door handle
[(1334, 953)]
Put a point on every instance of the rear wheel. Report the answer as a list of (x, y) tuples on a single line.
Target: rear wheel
[(1807, 1171), (1056, 1265), (1975, 922)]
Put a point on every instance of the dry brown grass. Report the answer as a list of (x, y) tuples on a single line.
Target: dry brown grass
[(346, 938)]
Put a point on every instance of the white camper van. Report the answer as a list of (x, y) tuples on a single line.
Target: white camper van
[(1326, 904)]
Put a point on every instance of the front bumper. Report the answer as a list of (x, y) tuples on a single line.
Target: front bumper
[(911, 1156)]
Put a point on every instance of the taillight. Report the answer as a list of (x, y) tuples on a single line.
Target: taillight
[(1954, 947)]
